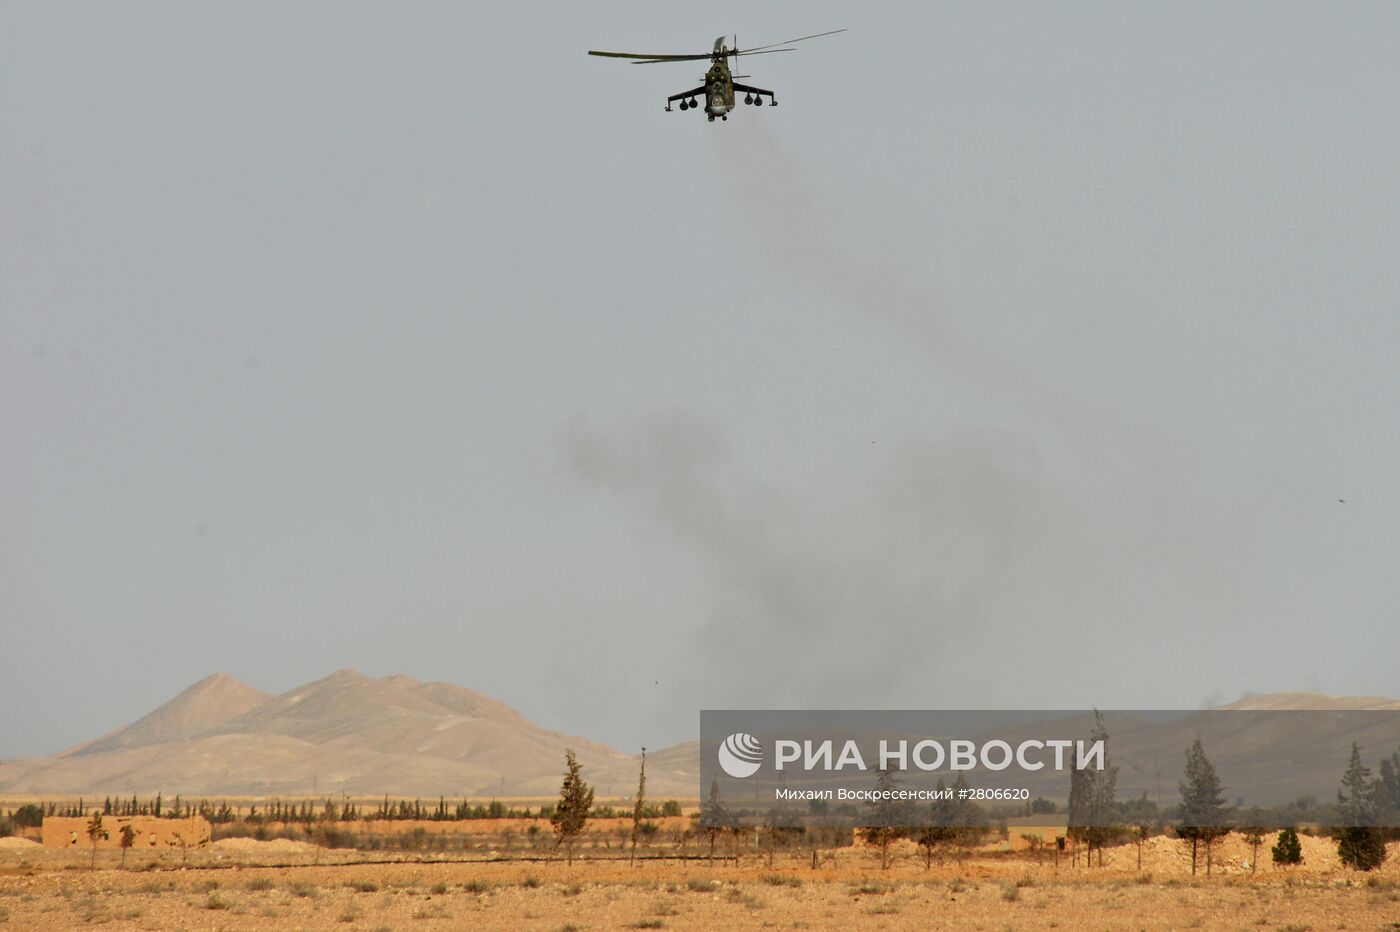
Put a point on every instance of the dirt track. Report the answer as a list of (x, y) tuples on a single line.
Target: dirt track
[(54, 890)]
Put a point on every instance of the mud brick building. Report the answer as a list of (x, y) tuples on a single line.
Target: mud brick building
[(62, 832)]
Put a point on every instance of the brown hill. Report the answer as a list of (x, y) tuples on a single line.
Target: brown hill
[(346, 733), (1267, 750), (211, 702), (1313, 701)]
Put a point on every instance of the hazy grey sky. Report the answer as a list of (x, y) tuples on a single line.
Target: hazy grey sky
[(1019, 357)]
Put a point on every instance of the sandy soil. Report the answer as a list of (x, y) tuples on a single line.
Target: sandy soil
[(219, 888)]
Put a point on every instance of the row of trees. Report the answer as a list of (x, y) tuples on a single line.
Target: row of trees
[(308, 812), (1366, 814), (33, 814), (943, 824), (569, 816)]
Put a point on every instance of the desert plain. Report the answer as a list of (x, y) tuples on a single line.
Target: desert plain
[(242, 883)]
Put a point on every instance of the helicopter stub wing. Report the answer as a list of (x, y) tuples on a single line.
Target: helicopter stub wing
[(757, 92), (694, 92)]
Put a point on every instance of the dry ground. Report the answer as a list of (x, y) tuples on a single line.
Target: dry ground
[(221, 889)]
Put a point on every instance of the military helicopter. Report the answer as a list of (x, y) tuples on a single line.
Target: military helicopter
[(719, 88)]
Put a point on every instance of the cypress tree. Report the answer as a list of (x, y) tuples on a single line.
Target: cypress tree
[(1102, 803), (1388, 794), (714, 817), (575, 800), (637, 806), (1360, 844), (889, 817), (1202, 805), (939, 827), (1092, 806), (1356, 800)]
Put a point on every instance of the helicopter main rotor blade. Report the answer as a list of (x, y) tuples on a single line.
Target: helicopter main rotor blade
[(653, 61), (652, 58), (816, 35), (640, 58), (659, 61)]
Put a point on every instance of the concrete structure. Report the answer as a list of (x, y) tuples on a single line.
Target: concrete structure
[(63, 832)]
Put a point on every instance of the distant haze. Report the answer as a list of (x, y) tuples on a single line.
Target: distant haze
[(1021, 357)]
